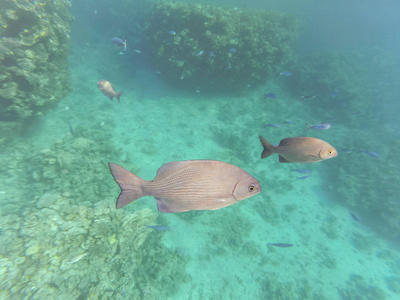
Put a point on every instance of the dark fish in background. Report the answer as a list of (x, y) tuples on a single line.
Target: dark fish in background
[(308, 97), (354, 217), (270, 95), (299, 149), (304, 177), (181, 186), (280, 245), (322, 126), (370, 154), (119, 42), (275, 125), (70, 128), (287, 73), (157, 227), (346, 150), (107, 89), (303, 171), (288, 122)]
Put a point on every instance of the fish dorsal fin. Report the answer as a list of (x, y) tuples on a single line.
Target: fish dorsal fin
[(287, 141), (170, 167), (283, 160), (174, 166)]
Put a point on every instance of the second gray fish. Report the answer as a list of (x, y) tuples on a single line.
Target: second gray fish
[(181, 186)]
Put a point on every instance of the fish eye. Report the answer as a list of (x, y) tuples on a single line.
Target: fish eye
[(252, 188)]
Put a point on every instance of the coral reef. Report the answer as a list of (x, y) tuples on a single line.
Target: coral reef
[(357, 285), (218, 48), (34, 47), (69, 241)]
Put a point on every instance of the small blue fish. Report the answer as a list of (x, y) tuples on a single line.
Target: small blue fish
[(286, 74), (232, 50), (322, 126), (211, 54), (370, 153), (281, 245), (119, 42), (346, 150), (171, 32), (303, 171), (70, 128), (200, 53), (354, 217), (275, 125), (270, 95), (308, 96), (157, 227), (304, 177)]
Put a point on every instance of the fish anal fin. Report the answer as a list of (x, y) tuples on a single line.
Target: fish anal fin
[(111, 98), (283, 160), (166, 208)]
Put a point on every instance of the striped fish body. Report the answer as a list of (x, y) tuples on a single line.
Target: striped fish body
[(188, 185)]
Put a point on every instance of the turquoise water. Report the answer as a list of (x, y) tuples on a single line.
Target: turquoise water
[(62, 237)]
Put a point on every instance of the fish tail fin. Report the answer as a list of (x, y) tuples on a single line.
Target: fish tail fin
[(130, 184), (117, 96), (268, 148)]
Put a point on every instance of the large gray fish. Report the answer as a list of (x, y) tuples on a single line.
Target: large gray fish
[(188, 185), (299, 149)]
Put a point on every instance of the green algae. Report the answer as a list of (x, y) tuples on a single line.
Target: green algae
[(240, 46), (34, 47)]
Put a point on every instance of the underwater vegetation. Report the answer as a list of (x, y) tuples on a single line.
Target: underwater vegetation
[(64, 236), (34, 47), (218, 48)]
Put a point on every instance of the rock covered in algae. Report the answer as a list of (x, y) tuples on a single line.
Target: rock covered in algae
[(34, 47), (219, 48)]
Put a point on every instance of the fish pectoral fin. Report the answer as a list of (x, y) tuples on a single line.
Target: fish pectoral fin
[(165, 207), (283, 160)]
